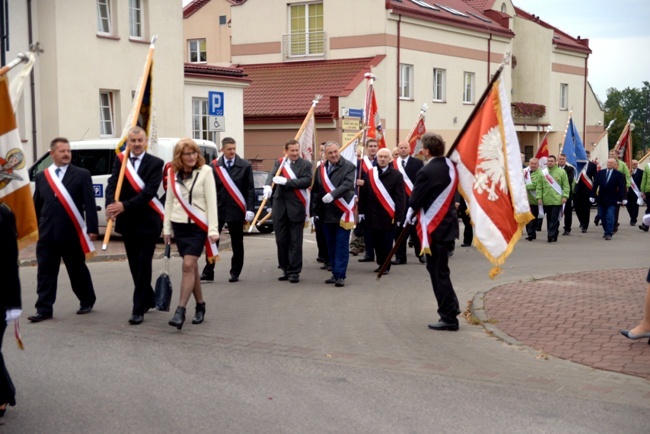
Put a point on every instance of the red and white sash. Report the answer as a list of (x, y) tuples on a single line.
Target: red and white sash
[(408, 185), (71, 209), (231, 187), (552, 181), (196, 215), (138, 184), (347, 218), (585, 178), (302, 194), (529, 180), (429, 220), (366, 164), (382, 194)]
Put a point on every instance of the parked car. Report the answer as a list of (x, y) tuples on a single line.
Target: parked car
[(259, 179)]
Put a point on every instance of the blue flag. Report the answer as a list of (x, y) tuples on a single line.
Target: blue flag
[(574, 149)]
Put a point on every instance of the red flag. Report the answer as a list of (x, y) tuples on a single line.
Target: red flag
[(624, 146), (542, 152), (416, 134), (375, 130)]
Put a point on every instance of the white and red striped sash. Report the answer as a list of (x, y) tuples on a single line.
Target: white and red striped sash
[(408, 184), (138, 184), (366, 164), (347, 218), (585, 178), (429, 220), (382, 194), (554, 184), (302, 194), (635, 188), (231, 187), (197, 216), (71, 209)]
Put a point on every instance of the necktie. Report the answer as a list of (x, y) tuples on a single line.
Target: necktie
[(404, 163), (329, 169), (229, 165), (133, 160), (609, 172), (58, 172)]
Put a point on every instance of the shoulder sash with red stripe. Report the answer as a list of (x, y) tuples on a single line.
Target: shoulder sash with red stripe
[(347, 218), (429, 220), (71, 209), (408, 184), (382, 194), (554, 184), (635, 188), (302, 194), (138, 184), (231, 187), (197, 216), (366, 165), (585, 178)]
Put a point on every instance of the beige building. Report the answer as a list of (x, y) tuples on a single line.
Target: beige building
[(94, 53)]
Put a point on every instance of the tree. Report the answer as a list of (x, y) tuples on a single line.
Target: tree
[(619, 106)]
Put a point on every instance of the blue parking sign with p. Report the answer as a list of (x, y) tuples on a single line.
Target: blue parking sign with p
[(215, 103)]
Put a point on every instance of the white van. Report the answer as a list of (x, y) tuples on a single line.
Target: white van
[(98, 156)]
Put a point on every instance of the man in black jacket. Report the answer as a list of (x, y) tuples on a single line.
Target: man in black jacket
[(568, 208), (333, 196), (581, 195), (138, 216)]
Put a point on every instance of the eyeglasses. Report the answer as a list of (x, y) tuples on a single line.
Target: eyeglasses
[(189, 154)]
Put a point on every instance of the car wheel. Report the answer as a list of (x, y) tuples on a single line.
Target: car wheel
[(265, 229)]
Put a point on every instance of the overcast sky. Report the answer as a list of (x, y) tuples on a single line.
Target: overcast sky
[(618, 33)]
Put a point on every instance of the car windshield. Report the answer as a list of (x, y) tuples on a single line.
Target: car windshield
[(259, 179)]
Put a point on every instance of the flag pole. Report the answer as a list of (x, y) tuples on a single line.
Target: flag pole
[(477, 107), (134, 122), (20, 58), (310, 113), (566, 130), (355, 137), (627, 126)]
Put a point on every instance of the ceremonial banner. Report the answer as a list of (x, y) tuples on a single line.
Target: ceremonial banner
[(306, 139), (14, 179), (542, 152), (415, 137), (141, 113), (600, 151), (624, 145), (488, 160), (574, 149)]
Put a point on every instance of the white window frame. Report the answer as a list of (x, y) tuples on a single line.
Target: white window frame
[(136, 19), (200, 119), (104, 17), (439, 85), (106, 113), (196, 50), (564, 96), (307, 34), (469, 80), (405, 81)]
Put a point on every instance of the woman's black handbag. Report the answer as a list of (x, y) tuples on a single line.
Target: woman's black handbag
[(163, 291)]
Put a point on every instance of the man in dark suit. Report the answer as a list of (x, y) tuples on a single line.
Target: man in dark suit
[(58, 235), (636, 176), (382, 199), (430, 184), (289, 208), (568, 208), (138, 216), (332, 204), (409, 167), (609, 184), (235, 203), (582, 193), (365, 166)]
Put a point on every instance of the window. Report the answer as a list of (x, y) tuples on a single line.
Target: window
[(223, 20), (564, 96), (200, 120), (135, 19), (106, 105), (406, 81), (468, 87), (307, 35), (439, 85), (197, 51), (504, 8), (104, 26)]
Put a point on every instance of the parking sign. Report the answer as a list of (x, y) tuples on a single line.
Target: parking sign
[(215, 103)]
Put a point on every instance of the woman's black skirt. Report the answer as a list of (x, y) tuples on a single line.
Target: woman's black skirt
[(190, 239)]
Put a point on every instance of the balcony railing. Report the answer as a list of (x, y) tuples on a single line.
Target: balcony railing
[(300, 45), (525, 110)]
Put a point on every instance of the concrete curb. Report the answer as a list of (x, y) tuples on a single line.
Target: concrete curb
[(478, 310)]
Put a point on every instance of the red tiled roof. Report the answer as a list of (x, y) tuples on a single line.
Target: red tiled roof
[(481, 5), (473, 18), (193, 6), (213, 71), (560, 38), (285, 90)]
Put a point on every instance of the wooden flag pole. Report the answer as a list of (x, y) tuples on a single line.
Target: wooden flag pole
[(627, 126), (134, 122), (355, 137), (310, 113), (566, 130), (20, 58)]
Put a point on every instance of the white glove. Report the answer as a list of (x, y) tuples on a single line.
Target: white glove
[(250, 215), (328, 198), (361, 217), (13, 314), (280, 180), (639, 201), (592, 200), (267, 191), (624, 202), (410, 218), (268, 210)]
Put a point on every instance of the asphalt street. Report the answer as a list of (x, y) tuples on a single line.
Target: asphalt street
[(310, 358)]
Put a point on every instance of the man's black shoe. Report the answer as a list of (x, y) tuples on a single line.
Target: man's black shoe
[(530, 238), (444, 326), (233, 278), (632, 222), (367, 259), (205, 277), (283, 277), (465, 244), (398, 262), (422, 259), (294, 278), (376, 270), (136, 319), (339, 283), (319, 259), (330, 280), (38, 317), (644, 227), (566, 233), (84, 310), (324, 266)]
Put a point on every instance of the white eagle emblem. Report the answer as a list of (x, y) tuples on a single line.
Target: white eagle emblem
[(490, 171)]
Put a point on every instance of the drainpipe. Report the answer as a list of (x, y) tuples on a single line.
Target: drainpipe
[(489, 51), (32, 84), (399, 44), (584, 105), (4, 32)]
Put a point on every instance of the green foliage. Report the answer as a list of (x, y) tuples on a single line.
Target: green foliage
[(619, 106)]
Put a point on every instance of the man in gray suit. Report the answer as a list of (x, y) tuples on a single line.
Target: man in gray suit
[(289, 208)]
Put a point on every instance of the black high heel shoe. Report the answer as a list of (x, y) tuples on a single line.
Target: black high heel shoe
[(199, 315), (178, 319)]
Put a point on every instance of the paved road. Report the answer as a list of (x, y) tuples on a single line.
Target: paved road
[(279, 357)]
